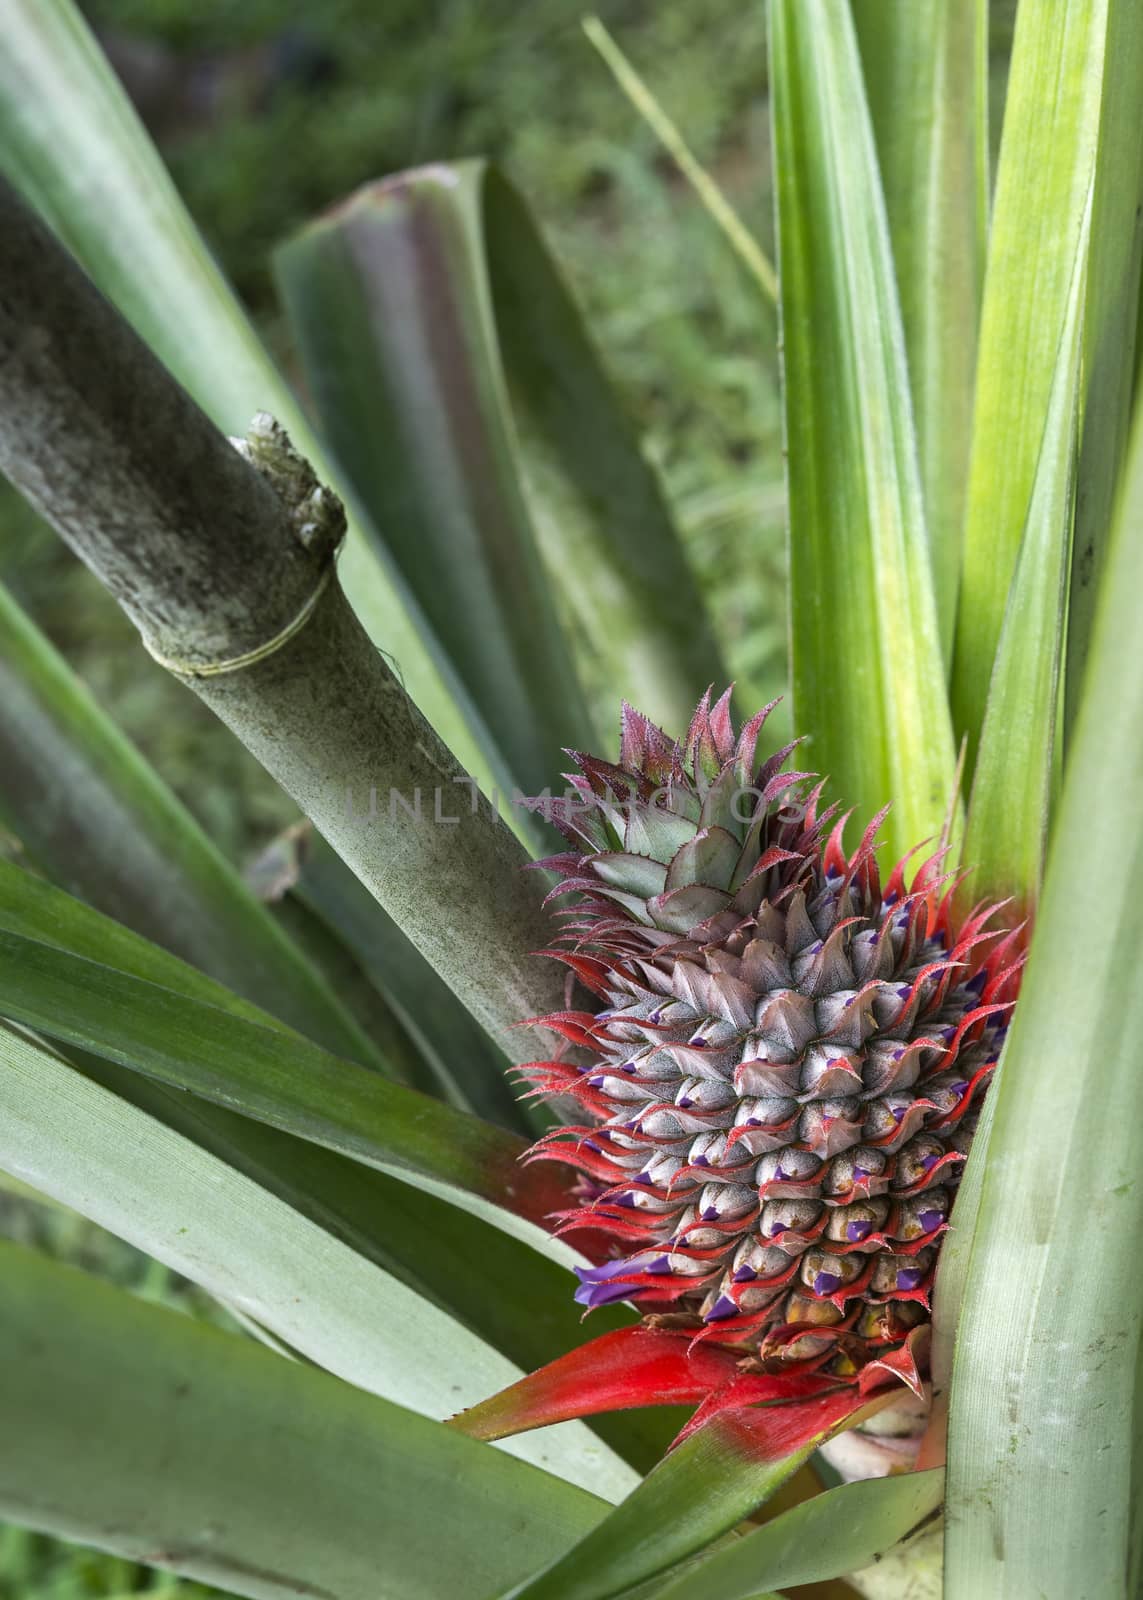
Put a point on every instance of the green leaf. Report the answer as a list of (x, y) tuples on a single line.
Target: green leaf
[(868, 681), (952, 1275), (445, 1254), (89, 810), (600, 514), (388, 298), (433, 1246), (1040, 1479), (925, 64), (1051, 121), (1006, 835), (277, 1078), (826, 1537), (703, 1488), (138, 1430), (85, 1147), (603, 518), (1110, 325), (328, 954), (36, 910), (465, 1066), (72, 143)]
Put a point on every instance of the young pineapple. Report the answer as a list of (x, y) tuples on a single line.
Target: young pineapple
[(782, 1084)]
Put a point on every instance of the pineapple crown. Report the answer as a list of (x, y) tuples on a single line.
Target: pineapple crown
[(778, 1092)]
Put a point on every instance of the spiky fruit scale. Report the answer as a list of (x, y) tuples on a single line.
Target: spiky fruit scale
[(782, 1083)]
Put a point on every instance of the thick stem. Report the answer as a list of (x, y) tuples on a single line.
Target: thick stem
[(208, 562), (99, 437)]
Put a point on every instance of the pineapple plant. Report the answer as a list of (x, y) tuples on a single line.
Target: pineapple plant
[(793, 1141)]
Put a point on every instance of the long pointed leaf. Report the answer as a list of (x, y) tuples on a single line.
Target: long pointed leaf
[(442, 1252), (37, 910), (1006, 836), (952, 1276), (277, 1078), (43, 915), (604, 522), (90, 811), (923, 65), (1046, 1351), (868, 680), (704, 1487), (90, 1150), (454, 1259), (826, 1537), (130, 1427), (601, 516), (1110, 325), (437, 1248), (388, 297), (328, 955), (72, 143), (469, 1069), (1051, 122)]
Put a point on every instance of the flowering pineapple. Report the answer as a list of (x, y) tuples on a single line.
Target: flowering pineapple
[(782, 1084)]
